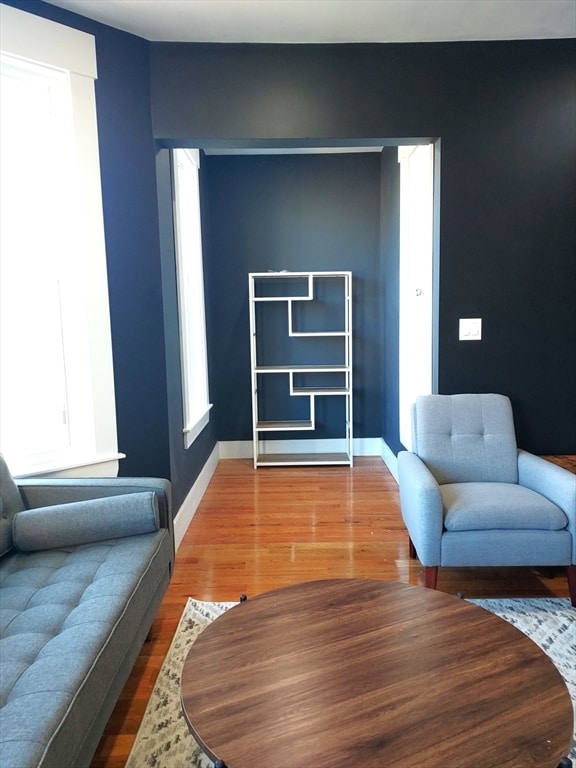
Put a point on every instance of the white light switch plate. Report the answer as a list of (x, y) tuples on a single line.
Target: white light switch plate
[(470, 329)]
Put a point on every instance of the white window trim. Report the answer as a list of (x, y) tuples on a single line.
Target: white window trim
[(416, 280), (46, 42), (192, 320), (191, 432)]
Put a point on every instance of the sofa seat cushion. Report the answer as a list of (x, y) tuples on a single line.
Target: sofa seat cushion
[(58, 611), (488, 506)]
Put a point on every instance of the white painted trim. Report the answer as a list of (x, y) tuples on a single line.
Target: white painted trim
[(389, 458), (416, 359), (235, 449), (194, 497), (94, 466), (190, 288), (191, 433), (367, 446), (37, 39)]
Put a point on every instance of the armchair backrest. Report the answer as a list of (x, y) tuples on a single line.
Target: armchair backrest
[(466, 438)]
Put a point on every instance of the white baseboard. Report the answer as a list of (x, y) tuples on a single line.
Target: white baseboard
[(389, 458), (235, 449), (194, 497), (367, 446)]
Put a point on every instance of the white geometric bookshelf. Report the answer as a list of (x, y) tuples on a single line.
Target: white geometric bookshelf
[(309, 358)]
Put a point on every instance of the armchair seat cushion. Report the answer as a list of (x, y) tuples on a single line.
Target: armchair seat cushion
[(488, 506)]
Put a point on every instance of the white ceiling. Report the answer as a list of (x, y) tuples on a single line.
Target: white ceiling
[(332, 21)]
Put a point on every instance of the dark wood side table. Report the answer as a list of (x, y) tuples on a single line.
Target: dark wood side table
[(358, 672)]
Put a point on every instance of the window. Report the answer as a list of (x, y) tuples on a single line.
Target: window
[(57, 408), (188, 238)]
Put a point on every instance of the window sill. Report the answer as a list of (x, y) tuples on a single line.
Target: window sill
[(94, 466), (192, 432)]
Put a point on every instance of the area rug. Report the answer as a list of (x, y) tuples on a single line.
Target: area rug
[(163, 740)]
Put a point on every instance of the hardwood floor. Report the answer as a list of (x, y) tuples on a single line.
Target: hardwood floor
[(256, 530)]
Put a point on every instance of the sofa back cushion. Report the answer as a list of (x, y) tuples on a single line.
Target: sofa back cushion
[(10, 503), (466, 438)]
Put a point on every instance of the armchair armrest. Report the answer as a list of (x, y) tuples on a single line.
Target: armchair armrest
[(555, 483), (422, 507)]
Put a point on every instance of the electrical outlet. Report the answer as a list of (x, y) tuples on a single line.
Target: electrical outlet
[(470, 329)]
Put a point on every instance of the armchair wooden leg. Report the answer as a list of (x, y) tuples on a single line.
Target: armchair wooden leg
[(412, 549), (431, 576), (571, 574)]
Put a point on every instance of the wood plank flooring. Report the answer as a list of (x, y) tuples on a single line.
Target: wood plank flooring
[(256, 530)]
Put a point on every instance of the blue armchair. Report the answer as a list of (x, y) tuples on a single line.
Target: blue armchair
[(469, 497)]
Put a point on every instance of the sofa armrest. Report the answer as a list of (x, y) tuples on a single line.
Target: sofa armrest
[(555, 483), (38, 492), (45, 492), (422, 507), (85, 522)]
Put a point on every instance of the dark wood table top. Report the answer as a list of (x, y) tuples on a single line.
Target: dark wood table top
[(350, 673)]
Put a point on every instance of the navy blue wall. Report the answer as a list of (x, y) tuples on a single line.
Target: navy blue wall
[(297, 212), (132, 246), (506, 115)]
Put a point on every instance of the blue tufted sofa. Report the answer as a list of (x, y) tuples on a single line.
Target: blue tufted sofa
[(84, 566)]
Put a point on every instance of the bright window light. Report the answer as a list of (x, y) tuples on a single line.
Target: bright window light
[(57, 406)]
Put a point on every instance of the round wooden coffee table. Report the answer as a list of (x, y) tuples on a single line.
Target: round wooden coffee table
[(358, 672)]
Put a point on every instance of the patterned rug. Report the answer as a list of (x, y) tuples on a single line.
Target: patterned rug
[(163, 740)]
